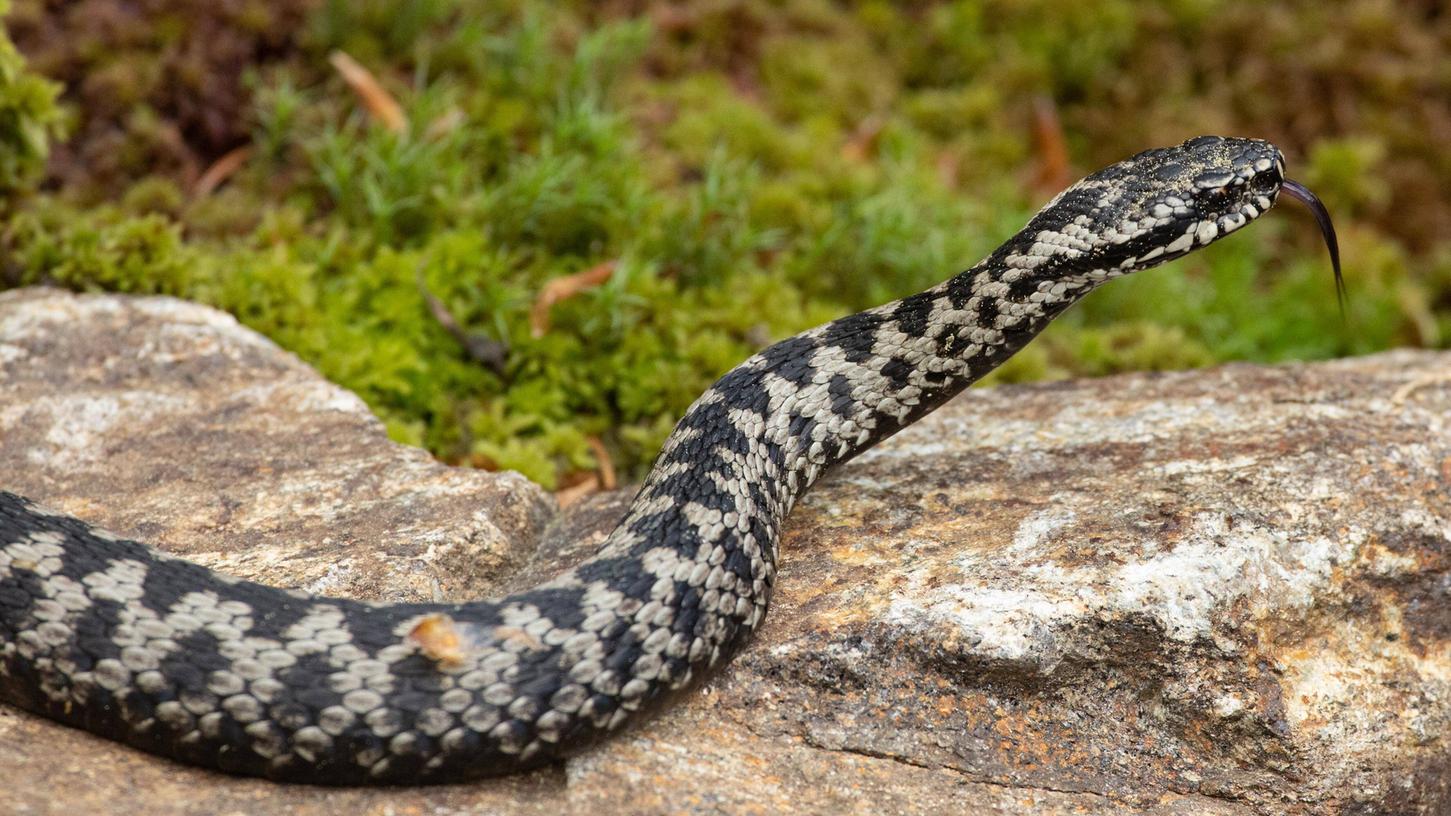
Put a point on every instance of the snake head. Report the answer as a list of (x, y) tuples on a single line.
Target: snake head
[(1154, 207)]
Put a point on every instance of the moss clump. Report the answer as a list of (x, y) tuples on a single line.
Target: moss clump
[(746, 170), (140, 254), (156, 85), (29, 118)]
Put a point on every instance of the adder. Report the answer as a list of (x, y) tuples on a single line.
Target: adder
[(106, 634)]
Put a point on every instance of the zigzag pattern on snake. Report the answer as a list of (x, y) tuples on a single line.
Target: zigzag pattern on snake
[(111, 636)]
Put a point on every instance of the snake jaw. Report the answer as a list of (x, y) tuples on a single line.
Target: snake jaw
[(1302, 194)]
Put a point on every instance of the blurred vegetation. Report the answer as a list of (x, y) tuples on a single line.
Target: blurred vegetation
[(738, 169), (29, 118)]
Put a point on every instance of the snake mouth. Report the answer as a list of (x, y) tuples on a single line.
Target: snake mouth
[(1302, 194)]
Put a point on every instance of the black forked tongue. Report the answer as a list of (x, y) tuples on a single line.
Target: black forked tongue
[(1301, 193)]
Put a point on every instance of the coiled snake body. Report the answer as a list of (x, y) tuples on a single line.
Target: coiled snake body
[(111, 636)]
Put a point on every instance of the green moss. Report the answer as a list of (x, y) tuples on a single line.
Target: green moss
[(749, 169), (156, 87), (29, 118), (138, 254)]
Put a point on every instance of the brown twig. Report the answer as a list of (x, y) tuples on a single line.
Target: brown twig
[(481, 348)]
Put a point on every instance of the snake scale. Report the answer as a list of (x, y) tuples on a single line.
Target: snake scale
[(106, 634)]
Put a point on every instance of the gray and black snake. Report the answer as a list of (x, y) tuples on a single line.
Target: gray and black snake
[(108, 635)]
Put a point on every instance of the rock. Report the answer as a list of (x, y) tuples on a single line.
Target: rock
[(183, 429), (1219, 593)]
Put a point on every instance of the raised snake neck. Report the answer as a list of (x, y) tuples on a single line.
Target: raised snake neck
[(111, 636)]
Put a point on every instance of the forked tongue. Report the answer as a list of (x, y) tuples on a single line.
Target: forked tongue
[(1301, 193)]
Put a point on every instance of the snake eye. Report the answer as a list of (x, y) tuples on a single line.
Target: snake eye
[(1263, 182)]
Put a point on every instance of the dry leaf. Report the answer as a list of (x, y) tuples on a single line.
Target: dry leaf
[(1054, 172), (863, 141), (379, 102), (221, 170), (1424, 381), (602, 458), (949, 168), (673, 19), (569, 495), (438, 638), (563, 289), (446, 123)]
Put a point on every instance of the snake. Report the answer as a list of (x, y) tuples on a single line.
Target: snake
[(109, 635)]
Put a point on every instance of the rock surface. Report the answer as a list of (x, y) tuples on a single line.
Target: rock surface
[(1220, 593), (192, 433)]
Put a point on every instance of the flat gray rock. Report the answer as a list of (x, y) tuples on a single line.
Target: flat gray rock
[(183, 429), (1220, 593)]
